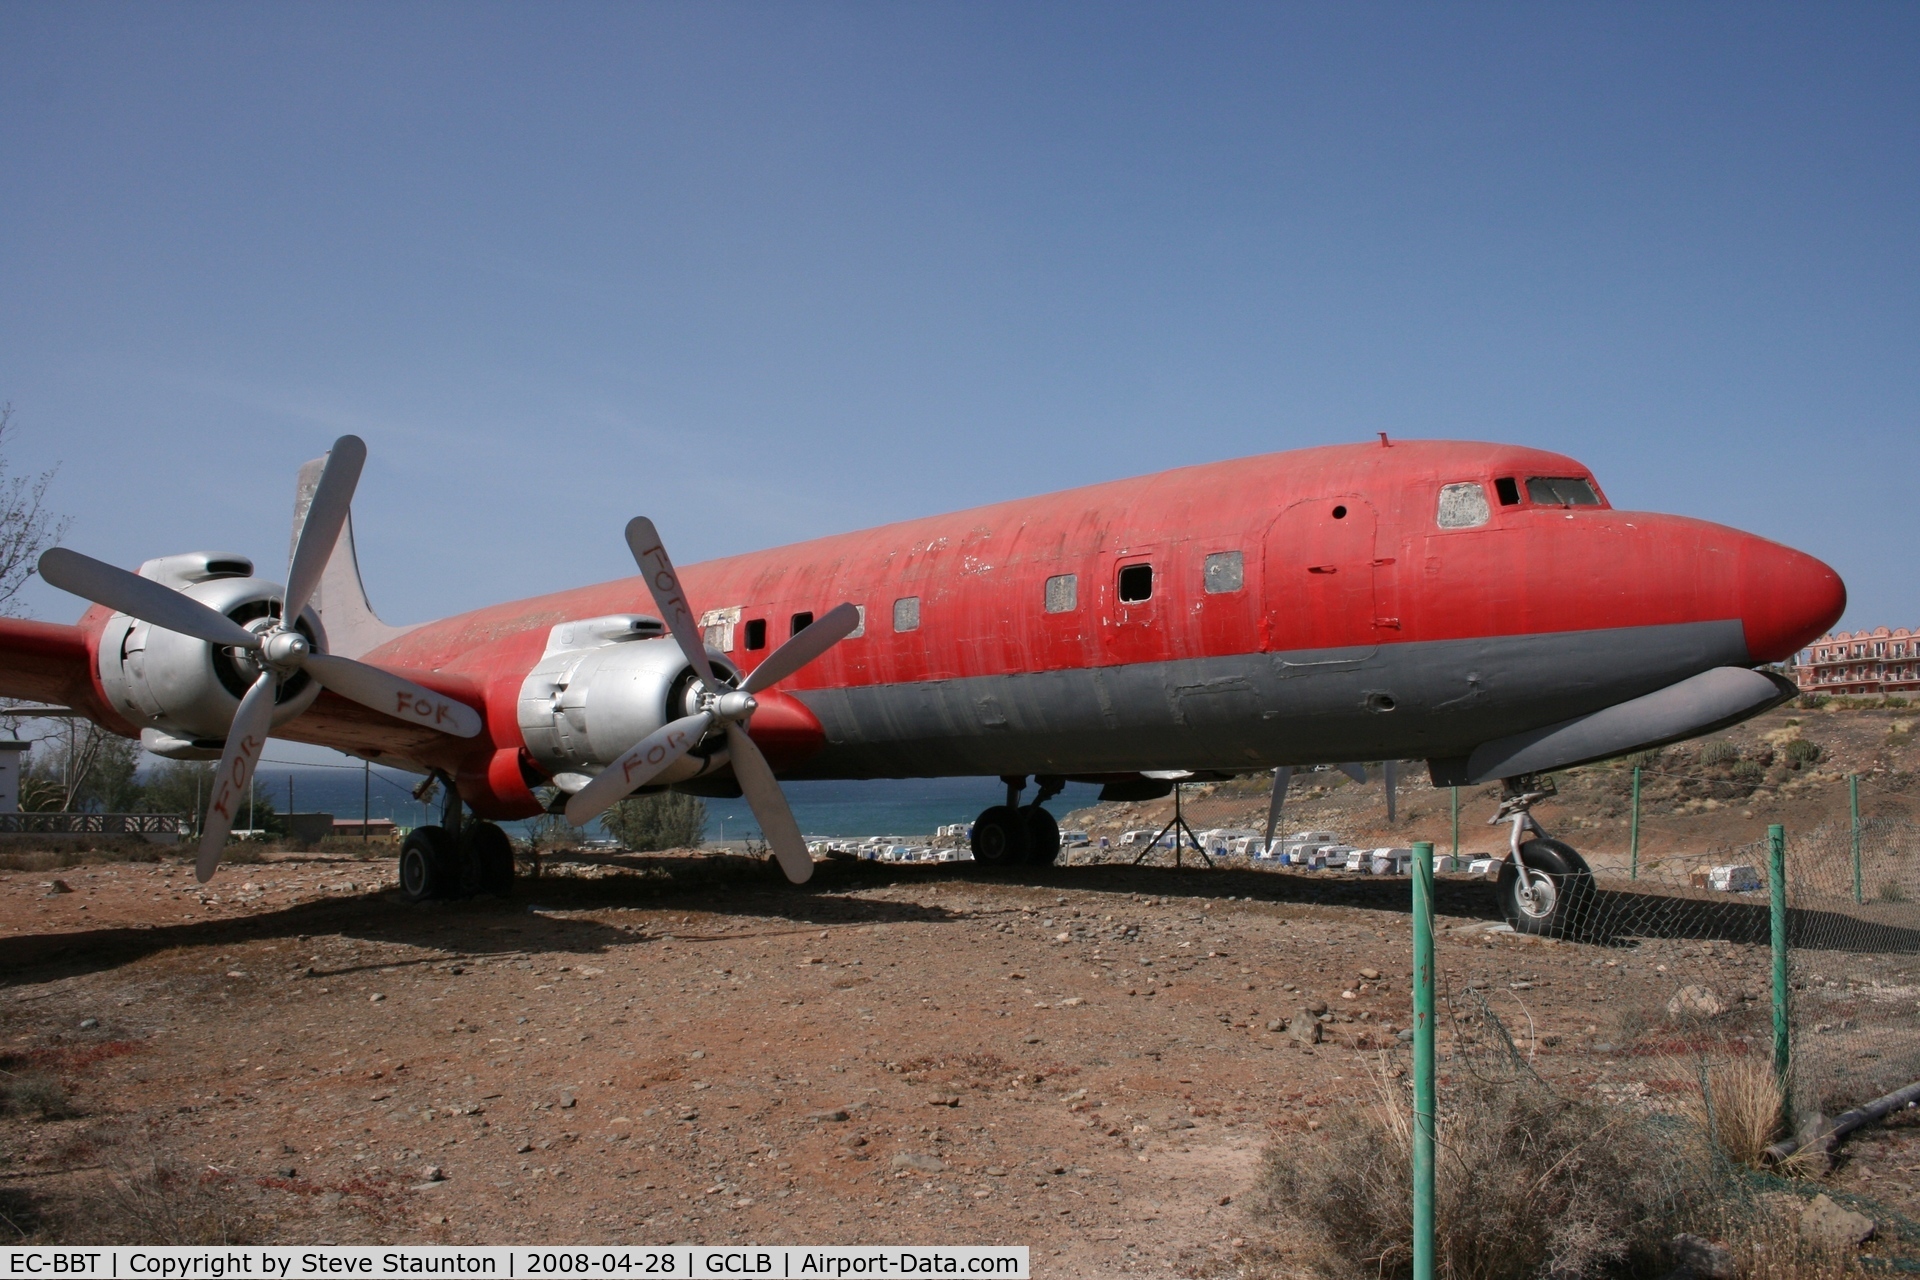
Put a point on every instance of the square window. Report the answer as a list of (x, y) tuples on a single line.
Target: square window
[(801, 621), (1509, 490), (1136, 584), (860, 627), (756, 633), (1463, 506), (906, 613), (1224, 571), (1063, 593)]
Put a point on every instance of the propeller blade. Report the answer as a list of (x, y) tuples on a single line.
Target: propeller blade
[(387, 693), (142, 598), (637, 766), (246, 740), (1358, 772), (326, 513), (655, 566), (1390, 773), (755, 776), (1282, 777), (796, 653)]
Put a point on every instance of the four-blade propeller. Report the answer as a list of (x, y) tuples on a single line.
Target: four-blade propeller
[(278, 650), (719, 704)]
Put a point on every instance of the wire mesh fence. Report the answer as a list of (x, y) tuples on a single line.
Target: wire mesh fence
[(1663, 976)]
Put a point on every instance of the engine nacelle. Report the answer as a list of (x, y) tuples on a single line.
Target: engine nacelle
[(184, 692), (601, 686)]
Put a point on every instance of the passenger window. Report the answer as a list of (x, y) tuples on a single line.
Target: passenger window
[(1508, 490), (1463, 506), (1224, 571), (1562, 491), (859, 627), (801, 621), (1063, 593), (756, 633), (1136, 584), (906, 613)]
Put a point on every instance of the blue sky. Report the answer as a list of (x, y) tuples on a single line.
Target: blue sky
[(770, 271)]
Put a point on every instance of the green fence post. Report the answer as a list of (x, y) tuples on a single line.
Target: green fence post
[(1777, 900), (1423, 1093), (1456, 822), (1853, 804), (1634, 838)]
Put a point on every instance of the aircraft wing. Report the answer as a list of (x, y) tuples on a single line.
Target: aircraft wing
[(47, 662)]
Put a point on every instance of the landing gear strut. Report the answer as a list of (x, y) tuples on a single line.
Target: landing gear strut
[(1014, 834), (458, 858), (1545, 886)]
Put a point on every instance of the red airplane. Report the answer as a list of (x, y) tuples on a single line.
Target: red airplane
[(1479, 606)]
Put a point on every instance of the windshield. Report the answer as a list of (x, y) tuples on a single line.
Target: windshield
[(1562, 491)]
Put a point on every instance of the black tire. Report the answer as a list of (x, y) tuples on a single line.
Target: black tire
[(488, 853), (427, 867), (1000, 837), (1043, 836), (1558, 909)]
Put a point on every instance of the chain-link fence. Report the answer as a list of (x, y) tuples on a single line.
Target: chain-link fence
[(1660, 975)]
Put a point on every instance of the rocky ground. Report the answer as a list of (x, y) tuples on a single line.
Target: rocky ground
[(1086, 1060)]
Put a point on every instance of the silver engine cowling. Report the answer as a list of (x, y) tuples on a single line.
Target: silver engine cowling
[(602, 685), (184, 692)]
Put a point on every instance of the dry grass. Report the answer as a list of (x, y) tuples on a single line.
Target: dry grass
[(157, 1200), (1528, 1184), (53, 853), (36, 1094), (1739, 1108)]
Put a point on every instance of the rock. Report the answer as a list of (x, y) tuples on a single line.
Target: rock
[(854, 1140), (1316, 1007), (944, 1100), (1371, 975), (286, 1171), (1825, 1223), (88, 1024), (914, 1162), (1306, 1027), (375, 998), (434, 1173), (1695, 1001), (58, 887), (566, 1099), (1700, 1258), (834, 1116), (1276, 1024), (1404, 1037), (523, 1148)]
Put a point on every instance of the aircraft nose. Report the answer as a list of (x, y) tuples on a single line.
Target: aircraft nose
[(1787, 599)]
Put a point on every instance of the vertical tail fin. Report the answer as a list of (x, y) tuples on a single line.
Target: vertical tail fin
[(341, 598)]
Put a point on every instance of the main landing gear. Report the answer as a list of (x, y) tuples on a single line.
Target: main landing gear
[(1545, 887), (1013, 834), (456, 859)]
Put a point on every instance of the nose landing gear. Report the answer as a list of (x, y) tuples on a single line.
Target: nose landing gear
[(1545, 887), (1013, 834)]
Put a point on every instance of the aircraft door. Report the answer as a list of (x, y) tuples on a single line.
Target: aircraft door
[(1319, 578)]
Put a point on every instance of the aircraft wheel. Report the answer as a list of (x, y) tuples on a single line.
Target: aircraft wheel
[(1000, 837), (1043, 836), (427, 868), (1553, 909), (489, 857)]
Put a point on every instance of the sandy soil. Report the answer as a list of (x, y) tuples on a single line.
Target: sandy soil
[(1087, 1060)]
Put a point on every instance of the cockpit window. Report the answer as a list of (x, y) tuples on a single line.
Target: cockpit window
[(1463, 506), (1562, 491)]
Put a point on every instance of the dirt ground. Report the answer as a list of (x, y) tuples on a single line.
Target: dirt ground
[(1088, 1060)]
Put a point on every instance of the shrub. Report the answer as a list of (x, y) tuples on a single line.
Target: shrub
[(1716, 754), (1801, 753), (1528, 1184), (663, 820), (1740, 1108), (1749, 771), (33, 1093), (1813, 701)]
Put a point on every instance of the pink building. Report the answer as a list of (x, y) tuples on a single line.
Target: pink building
[(1861, 662)]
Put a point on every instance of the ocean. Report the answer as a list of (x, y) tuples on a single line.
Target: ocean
[(904, 807)]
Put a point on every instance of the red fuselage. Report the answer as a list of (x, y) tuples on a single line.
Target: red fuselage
[(1291, 608)]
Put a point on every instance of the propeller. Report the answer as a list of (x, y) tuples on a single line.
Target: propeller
[(729, 708), (278, 650)]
